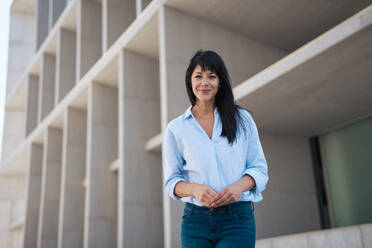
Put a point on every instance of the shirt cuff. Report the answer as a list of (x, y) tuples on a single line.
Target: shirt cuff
[(171, 187), (260, 185)]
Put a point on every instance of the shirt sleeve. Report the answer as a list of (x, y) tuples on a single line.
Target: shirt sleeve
[(256, 165), (172, 163)]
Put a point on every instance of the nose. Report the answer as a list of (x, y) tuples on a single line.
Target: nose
[(204, 81)]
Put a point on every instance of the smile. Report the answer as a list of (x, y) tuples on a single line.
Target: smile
[(205, 91)]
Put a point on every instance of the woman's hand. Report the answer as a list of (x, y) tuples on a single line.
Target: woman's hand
[(227, 195), (232, 192), (204, 194)]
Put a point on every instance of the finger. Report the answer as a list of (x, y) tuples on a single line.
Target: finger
[(224, 200), (219, 195), (205, 204), (227, 201), (205, 198), (208, 202), (208, 195), (211, 193)]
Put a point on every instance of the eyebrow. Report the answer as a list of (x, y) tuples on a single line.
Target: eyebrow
[(199, 72)]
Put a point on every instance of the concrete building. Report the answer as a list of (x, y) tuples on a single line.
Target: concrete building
[(93, 83)]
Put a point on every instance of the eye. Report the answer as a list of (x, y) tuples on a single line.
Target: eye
[(212, 76), (198, 76)]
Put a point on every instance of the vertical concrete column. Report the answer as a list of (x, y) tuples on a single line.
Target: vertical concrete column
[(170, 99), (100, 225), (120, 232), (140, 5), (50, 188), (71, 214), (46, 85), (140, 121), (65, 63), (117, 15), (33, 195), (42, 27), (89, 35), (32, 103), (56, 7)]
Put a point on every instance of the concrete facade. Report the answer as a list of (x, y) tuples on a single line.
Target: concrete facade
[(85, 112)]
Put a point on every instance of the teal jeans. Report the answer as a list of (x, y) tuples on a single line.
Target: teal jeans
[(229, 226)]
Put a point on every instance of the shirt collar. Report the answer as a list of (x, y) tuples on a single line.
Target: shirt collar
[(188, 112)]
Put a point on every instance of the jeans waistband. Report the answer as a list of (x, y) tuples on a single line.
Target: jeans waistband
[(223, 209)]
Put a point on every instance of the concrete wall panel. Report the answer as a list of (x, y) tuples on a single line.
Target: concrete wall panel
[(32, 103), (117, 16), (42, 15), (46, 85), (65, 63), (89, 35), (290, 190)]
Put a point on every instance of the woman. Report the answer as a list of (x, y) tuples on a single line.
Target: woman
[(213, 160)]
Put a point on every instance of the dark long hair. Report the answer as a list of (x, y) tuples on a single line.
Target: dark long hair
[(224, 100)]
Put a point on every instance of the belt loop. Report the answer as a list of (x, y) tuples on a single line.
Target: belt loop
[(252, 205), (192, 208)]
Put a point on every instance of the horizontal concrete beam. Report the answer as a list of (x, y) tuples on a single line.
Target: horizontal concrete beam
[(17, 224), (114, 165), (353, 236), (309, 89), (284, 25), (154, 144)]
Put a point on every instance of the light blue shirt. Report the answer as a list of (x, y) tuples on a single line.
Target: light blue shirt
[(190, 155)]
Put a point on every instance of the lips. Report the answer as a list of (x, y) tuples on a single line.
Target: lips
[(205, 91)]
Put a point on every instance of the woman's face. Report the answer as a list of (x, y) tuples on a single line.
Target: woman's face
[(204, 84)]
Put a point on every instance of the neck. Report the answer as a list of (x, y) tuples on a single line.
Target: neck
[(204, 108)]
